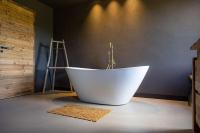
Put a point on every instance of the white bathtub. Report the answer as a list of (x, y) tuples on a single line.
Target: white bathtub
[(111, 87)]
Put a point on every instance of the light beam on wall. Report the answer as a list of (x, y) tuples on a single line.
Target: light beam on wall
[(133, 10), (93, 23), (95, 15), (112, 19), (113, 9)]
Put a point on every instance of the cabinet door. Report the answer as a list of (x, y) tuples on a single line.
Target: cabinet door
[(198, 109), (17, 49), (197, 75)]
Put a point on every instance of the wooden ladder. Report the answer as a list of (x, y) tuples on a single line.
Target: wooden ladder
[(55, 67)]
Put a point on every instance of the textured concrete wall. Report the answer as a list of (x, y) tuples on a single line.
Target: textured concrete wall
[(158, 33)]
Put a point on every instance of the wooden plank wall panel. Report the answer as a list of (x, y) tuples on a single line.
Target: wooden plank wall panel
[(17, 63), (198, 109)]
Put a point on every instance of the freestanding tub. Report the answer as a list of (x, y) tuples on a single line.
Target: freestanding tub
[(111, 86)]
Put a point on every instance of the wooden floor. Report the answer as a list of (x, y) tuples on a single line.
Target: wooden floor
[(141, 115)]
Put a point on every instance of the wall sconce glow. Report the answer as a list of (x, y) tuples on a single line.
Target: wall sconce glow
[(96, 13), (133, 10), (113, 8), (132, 6), (93, 21)]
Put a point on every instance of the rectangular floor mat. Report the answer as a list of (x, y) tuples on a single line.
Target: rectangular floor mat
[(81, 112)]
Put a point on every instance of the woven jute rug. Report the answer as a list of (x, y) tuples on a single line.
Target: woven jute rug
[(81, 112)]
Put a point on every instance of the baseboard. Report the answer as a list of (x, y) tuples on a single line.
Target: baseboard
[(18, 95), (145, 95), (158, 96)]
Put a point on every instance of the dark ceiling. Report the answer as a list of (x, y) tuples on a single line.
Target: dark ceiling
[(62, 3)]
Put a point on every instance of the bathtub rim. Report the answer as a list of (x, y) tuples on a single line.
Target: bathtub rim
[(123, 68)]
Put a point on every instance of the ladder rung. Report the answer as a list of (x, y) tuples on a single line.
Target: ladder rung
[(58, 41), (57, 67), (58, 48)]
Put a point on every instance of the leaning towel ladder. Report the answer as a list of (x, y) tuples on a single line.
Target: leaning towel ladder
[(54, 67)]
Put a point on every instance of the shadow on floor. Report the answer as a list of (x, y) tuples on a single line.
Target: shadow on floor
[(66, 99)]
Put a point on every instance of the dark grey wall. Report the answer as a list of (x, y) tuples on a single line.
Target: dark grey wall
[(158, 33), (43, 34)]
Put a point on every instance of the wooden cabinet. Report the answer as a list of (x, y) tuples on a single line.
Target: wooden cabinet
[(197, 109), (196, 94), (16, 49)]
